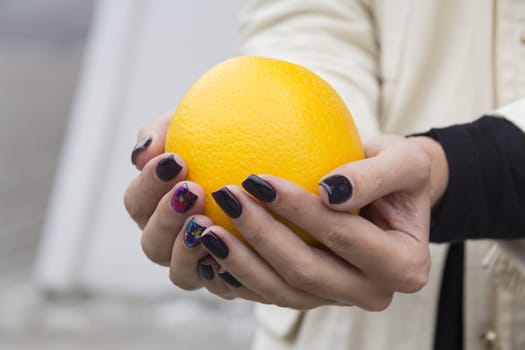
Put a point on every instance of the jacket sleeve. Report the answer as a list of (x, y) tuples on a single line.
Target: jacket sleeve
[(333, 38), (485, 197)]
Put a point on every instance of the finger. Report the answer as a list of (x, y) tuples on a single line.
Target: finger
[(188, 268), (209, 270), (221, 289), (302, 267), (150, 141), (384, 256), (185, 199), (393, 165), (255, 274), (225, 285), (158, 176)]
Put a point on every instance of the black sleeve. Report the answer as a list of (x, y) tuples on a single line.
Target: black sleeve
[(485, 197)]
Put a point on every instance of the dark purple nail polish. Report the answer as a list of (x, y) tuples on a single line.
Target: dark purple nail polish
[(206, 271), (192, 233), (139, 147), (168, 168), (228, 203), (338, 187), (183, 199), (259, 188), (229, 279), (215, 245)]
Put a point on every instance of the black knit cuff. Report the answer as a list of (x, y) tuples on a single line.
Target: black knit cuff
[(486, 190)]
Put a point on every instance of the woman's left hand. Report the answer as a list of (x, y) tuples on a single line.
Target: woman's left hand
[(368, 256)]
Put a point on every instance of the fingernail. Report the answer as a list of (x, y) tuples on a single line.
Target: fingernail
[(228, 203), (259, 188), (215, 245), (139, 147), (192, 233), (168, 168), (183, 199), (229, 279), (206, 271), (338, 187)]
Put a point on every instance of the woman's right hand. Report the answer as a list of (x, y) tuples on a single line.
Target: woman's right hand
[(162, 204)]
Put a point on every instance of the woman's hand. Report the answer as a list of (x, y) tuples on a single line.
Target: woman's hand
[(368, 258), (152, 198), (163, 204)]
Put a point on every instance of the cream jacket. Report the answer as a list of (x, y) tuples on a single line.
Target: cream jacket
[(404, 66)]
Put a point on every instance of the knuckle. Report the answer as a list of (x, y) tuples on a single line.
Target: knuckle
[(288, 297), (337, 237), (152, 252), (414, 281), (257, 233), (288, 301), (301, 276), (165, 222), (409, 283), (299, 304), (418, 281), (182, 283), (225, 296), (281, 300), (415, 274), (148, 187), (255, 236), (294, 304), (131, 205), (219, 289), (379, 302)]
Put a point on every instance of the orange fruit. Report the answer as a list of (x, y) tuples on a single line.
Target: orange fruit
[(262, 116)]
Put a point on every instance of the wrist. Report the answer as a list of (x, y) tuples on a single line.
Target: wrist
[(438, 166)]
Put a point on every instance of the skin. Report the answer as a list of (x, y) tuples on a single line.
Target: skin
[(369, 257)]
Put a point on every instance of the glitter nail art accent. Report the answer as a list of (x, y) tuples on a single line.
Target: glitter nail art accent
[(192, 233), (183, 199)]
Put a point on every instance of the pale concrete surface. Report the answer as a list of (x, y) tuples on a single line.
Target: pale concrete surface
[(41, 47)]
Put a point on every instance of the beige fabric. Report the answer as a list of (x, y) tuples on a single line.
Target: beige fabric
[(402, 66)]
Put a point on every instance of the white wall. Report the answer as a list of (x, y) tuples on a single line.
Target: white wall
[(142, 58)]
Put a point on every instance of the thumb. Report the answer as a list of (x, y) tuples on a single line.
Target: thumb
[(150, 141), (392, 165)]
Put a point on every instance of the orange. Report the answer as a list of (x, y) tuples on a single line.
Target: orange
[(262, 116)]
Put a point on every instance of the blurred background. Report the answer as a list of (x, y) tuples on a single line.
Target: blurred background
[(77, 80)]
